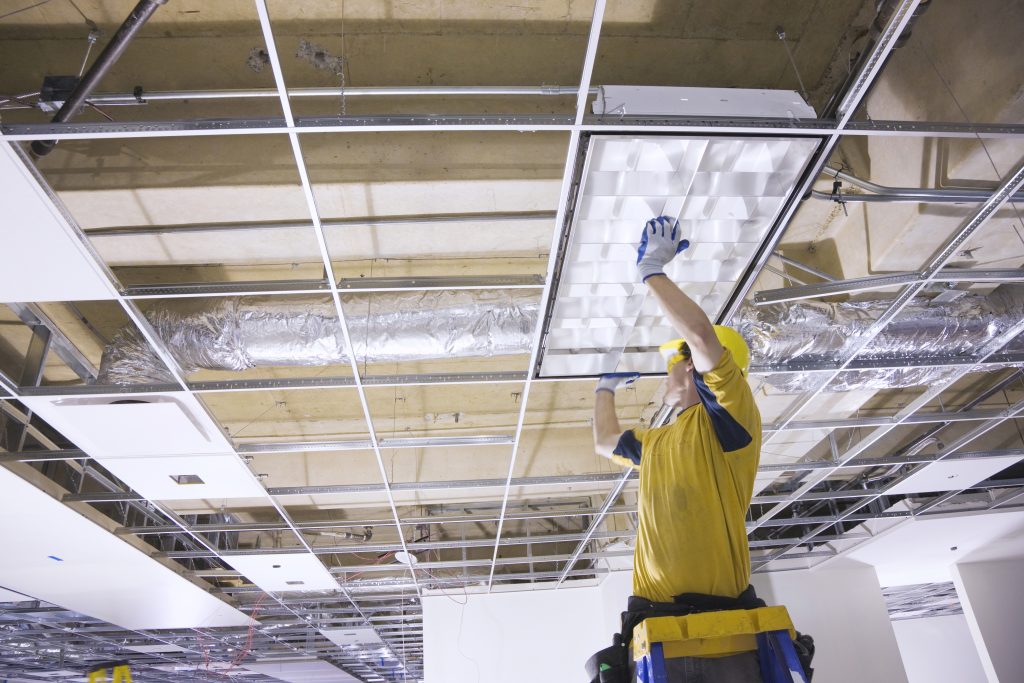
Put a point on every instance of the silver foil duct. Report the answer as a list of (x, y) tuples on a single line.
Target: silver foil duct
[(819, 332), (243, 333)]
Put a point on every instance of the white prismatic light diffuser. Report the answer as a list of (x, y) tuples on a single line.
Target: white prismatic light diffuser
[(726, 192), (53, 553)]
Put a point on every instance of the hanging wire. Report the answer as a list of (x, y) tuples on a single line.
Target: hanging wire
[(23, 9), (344, 62), (94, 36), (981, 140), (781, 33)]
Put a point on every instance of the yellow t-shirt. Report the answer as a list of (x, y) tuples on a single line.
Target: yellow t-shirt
[(696, 480)]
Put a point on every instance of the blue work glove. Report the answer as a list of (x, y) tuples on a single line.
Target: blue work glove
[(661, 242), (614, 380)]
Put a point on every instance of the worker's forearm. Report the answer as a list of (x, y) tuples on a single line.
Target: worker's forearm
[(689, 320), (686, 316), (606, 423)]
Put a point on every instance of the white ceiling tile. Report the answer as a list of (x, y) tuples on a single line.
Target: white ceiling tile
[(159, 648), (153, 424), (43, 259), (11, 596), (301, 670), (187, 477), (352, 636), (284, 572), (57, 555), (953, 475)]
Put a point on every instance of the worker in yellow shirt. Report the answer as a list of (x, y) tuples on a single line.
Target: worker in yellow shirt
[(697, 473)]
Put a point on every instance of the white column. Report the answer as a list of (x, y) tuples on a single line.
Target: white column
[(842, 608), (993, 603), (939, 650)]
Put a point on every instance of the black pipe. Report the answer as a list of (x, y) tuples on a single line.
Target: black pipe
[(111, 53)]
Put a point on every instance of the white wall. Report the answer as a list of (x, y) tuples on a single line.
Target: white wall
[(615, 591), (547, 635), (541, 635), (993, 602), (842, 607), (938, 650)]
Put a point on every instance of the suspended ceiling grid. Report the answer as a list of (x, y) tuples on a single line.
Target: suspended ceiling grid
[(272, 414)]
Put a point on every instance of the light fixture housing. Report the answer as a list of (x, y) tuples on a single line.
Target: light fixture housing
[(727, 193)]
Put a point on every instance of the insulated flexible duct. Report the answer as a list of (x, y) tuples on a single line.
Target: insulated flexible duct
[(243, 333), (822, 333)]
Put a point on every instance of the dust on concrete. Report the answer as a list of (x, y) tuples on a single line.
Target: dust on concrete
[(320, 57)]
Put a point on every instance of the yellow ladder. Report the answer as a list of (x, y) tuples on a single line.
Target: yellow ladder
[(769, 630), (121, 674)]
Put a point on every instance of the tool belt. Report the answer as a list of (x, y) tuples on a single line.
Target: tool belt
[(613, 664)]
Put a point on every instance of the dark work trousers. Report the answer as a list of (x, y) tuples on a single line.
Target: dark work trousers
[(741, 668)]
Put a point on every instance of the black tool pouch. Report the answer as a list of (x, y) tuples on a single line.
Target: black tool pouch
[(610, 665)]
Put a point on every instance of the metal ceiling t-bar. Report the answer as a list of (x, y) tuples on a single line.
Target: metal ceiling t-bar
[(563, 201), (268, 36), (1010, 413), (873, 282), (862, 82), (155, 342), (1010, 185), (929, 394)]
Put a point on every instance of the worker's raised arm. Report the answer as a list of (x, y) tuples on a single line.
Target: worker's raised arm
[(607, 431), (661, 241)]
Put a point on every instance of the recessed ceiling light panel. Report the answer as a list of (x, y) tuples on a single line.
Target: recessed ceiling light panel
[(726, 193)]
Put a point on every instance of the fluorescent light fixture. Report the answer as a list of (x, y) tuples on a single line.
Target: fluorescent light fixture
[(646, 100), (726, 192), (95, 572), (283, 572)]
